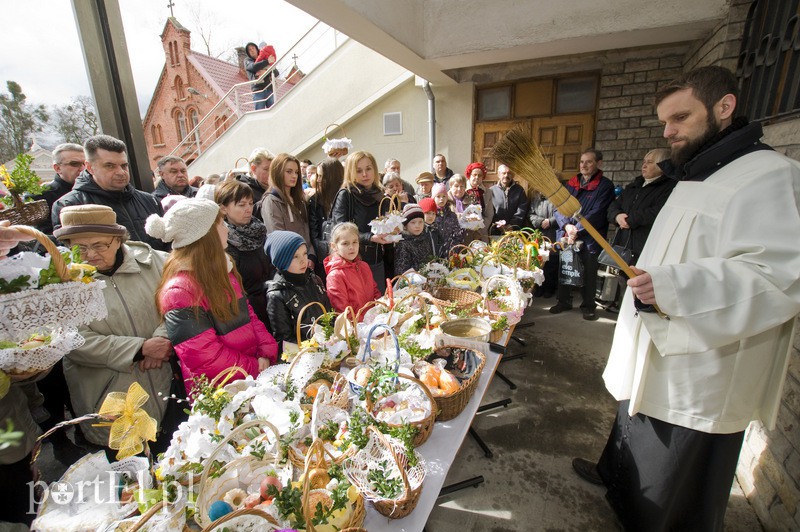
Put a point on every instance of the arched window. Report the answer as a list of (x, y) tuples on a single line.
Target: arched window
[(180, 124), (155, 132), (194, 120), (179, 92), (172, 53), (177, 55)]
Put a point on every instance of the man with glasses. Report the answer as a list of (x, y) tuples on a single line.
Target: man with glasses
[(107, 181), (174, 179), (68, 162)]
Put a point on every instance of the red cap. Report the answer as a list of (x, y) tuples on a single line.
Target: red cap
[(427, 205)]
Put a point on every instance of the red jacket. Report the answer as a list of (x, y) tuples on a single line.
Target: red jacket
[(349, 283), (206, 346)]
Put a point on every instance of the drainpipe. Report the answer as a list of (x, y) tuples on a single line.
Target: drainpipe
[(431, 120)]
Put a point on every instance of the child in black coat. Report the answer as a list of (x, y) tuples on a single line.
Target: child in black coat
[(418, 245), (293, 287)]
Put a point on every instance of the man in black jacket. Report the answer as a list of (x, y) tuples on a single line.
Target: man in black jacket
[(511, 204), (174, 178), (68, 162), (106, 181)]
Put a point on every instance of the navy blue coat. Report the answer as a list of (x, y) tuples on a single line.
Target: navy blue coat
[(595, 198)]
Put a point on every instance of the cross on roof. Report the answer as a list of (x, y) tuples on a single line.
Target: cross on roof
[(170, 6)]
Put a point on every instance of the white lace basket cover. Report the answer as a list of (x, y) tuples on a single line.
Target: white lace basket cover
[(376, 452), (18, 360), (67, 304), (87, 496)]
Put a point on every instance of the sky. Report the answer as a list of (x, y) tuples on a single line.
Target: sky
[(40, 49)]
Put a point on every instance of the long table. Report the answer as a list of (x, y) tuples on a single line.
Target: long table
[(438, 454)]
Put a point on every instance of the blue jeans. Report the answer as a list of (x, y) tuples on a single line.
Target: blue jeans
[(264, 98)]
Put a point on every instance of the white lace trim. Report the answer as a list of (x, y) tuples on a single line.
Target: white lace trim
[(57, 305)]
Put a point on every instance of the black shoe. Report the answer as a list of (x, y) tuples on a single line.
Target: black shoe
[(587, 471), (589, 315), (558, 308)]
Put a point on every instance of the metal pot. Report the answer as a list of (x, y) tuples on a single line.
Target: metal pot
[(471, 329)]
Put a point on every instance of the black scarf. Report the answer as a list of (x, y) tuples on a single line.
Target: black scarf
[(366, 196), (247, 237)]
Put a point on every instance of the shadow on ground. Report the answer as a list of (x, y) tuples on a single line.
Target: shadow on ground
[(560, 410)]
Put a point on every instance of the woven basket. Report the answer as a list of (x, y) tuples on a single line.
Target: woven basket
[(336, 148), (67, 304), (456, 297), (339, 399), (205, 494), (452, 405), (424, 426), (316, 459), (31, 213), (379, 448), (268, 525), (329, 363)]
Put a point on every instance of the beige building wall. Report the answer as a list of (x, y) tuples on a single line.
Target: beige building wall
[(411, 148)]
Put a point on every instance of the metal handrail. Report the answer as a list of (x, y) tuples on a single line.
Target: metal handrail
[(195, 142)]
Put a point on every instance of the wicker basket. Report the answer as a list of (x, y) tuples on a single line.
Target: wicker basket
[(316, 459), (345, 327), (205, 494), (424, 426), (67, 304), (31, 213), (269, 522), (456, 297), (378, 449), (336, 148), (452, 405)]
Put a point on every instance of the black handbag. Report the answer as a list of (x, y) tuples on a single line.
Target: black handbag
[(626, 254)]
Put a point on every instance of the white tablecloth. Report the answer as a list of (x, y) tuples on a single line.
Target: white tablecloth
[(438, 453)]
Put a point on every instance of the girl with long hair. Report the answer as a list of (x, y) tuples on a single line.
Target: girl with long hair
[(284, 206), (358, 201), (330, 175), (209, 321)]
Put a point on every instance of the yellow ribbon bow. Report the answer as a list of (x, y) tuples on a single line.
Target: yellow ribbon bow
[(132, 425)]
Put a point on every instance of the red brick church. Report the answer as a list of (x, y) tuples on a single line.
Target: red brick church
[(189, 87)]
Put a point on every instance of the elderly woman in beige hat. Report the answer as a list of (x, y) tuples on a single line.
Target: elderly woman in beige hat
[(130, 345)]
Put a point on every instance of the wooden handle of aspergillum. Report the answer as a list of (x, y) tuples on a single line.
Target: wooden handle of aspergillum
[(626, 269)]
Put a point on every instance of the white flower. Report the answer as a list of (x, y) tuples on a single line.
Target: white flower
[(276, 412)]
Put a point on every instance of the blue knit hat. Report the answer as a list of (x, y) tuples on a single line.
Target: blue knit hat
[(281, 247)]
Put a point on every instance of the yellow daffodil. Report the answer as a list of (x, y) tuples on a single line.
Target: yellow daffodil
[(132, 426), (7, 182), (309, 343)]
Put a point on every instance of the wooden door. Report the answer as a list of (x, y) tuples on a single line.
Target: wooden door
[(486, 136), (562, 139)]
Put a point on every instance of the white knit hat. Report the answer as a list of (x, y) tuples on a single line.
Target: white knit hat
[(186, 222)]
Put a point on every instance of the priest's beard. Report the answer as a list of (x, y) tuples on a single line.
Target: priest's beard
[(682, 155)]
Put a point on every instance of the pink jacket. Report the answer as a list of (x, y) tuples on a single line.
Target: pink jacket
[(205, 345), (349, 283)]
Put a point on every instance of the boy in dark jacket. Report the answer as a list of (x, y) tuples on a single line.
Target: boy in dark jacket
[(293, 287), (418, 245)]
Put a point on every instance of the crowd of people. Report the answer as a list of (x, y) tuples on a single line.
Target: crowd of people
[(200, 279)]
